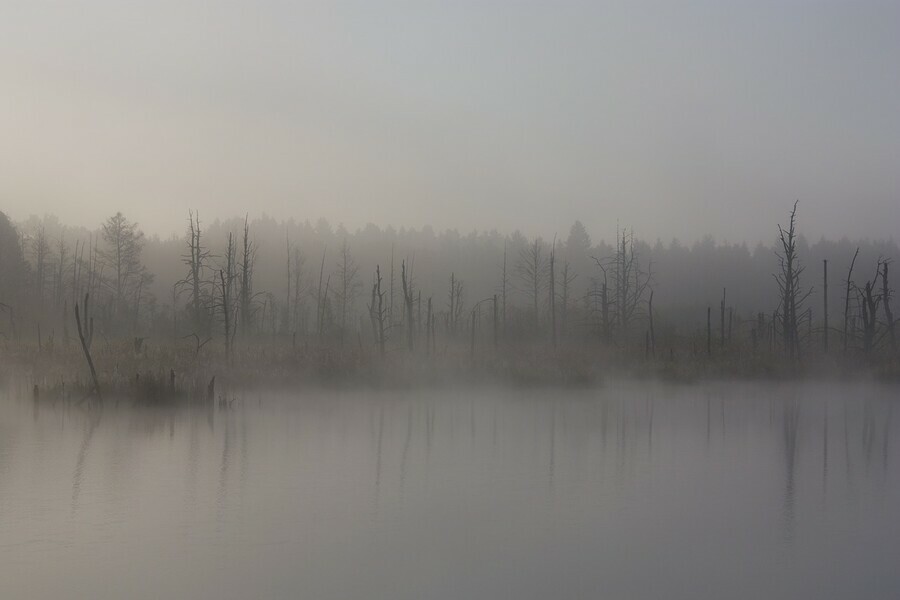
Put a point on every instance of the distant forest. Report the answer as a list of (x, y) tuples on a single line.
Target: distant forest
[(308, 281)]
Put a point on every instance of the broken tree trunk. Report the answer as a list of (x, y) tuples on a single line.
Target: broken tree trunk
[(85, 341), (847, 299)]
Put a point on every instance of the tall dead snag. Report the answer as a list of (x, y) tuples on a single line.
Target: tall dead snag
[(41, 250), (456, 304), (602, 295), (247, 261), (377, 311), (195, 261), (847, 300), (319, 311), (428, 329), (532, 270), (61, 262), (650, 317), (504, 285), (825, 302), (722, 321), (298, 317), (565, 296), (886, 293), (86, 335), (226, 310), (790, 293), (496, 325), (406, 282), (625, 300), (552, 296), (869, 303), (288, 313), (225, 302), (347, 272)]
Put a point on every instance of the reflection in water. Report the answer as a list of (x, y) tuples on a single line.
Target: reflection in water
[(619, 492), (93, 419), (825, 455), (222, 493), (791, 425)]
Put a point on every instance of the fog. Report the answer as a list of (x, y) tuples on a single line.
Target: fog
[(449, 300), (638, 491), (680, 119)]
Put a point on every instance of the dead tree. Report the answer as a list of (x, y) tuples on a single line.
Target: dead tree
[(495, 323), (428, 329), (377, 311), (61, 265), (195, 260), (406, 281), (86, 336), (299, 312), (347, 272), (722, 321), (630, 283), (566, 294), (247, 261), (288, 313), (886, 293), (602, 296), (319, 311), (532, 270), (455, 305), (847, 299), (869, 303), (825, 302), (552, 296), (788, 279), (41, 250), (504, 285), (226, 295)]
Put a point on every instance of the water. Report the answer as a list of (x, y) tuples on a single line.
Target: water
[(632, 491)]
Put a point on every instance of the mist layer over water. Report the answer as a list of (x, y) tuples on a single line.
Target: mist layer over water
[(629, 491)]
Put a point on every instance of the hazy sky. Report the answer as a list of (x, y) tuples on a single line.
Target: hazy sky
[(678, 118)]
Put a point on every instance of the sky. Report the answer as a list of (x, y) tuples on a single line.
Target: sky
[(677, 118)]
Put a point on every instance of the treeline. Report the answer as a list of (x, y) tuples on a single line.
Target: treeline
[(395, 289)]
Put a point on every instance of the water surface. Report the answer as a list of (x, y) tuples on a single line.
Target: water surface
[(629, 491)]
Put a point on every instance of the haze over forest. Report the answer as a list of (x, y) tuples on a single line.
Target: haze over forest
[(680, 119), (458, 299)]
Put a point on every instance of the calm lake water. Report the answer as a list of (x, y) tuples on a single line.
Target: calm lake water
[(629, 491)]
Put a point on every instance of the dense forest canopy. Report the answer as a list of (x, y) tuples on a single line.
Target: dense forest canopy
[(313, 279)]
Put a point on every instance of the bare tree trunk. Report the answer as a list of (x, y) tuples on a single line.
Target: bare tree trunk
[(496, 325), (722, 321), (451, 324), (886, 301), (825, 303), (869, 309), (847, 300), (472, 346), (226, 315), (319, 298), (288, 325), (504, 284), (86, 341), (552, 298), (428, 333), (406, 280), (376, 311)]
